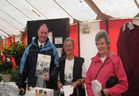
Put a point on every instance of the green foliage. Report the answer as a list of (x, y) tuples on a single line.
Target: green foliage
[(15, 73), (15, 49), (6, 66)]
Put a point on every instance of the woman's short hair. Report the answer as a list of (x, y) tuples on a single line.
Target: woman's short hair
[(69, 39), (102, 34)]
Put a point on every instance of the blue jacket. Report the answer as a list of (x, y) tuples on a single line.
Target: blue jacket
[(29, 61)]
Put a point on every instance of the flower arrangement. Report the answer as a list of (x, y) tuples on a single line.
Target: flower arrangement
[(15, 50)]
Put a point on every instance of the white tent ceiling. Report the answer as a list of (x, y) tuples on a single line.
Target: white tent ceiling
[(14, 14)]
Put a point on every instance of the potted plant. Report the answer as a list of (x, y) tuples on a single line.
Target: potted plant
[(15, 50), (6, 68)]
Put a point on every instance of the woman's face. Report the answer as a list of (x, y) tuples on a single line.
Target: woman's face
[(68, 48), (102, 46)]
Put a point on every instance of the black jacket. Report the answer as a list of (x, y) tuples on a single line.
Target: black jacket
[(31, 61), (77, 73)]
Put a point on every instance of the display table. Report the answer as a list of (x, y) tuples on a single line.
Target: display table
[(11, 89), (8, 89), (49, 92)]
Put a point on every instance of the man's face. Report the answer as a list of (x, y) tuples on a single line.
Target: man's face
[(43, 33)]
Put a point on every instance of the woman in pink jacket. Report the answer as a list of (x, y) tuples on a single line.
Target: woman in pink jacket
[(104, 65)]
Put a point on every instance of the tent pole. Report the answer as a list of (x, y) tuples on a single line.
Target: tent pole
[(107, 25)]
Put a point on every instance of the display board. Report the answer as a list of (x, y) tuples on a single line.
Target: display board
[(58, 30)]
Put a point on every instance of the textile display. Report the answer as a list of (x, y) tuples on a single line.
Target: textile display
[(128, 49)]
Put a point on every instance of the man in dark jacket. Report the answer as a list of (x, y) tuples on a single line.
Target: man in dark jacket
[(39, 62)]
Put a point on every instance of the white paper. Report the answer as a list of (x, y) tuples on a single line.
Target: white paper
[(68, 90), (59, 51), (58, 40), (50, 36), (33, 38), (96, 87)]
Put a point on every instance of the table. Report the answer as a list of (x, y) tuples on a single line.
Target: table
[(50, 92), (11, 89), (8, 89)]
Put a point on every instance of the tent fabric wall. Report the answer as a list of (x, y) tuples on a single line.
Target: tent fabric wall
[(13, 38), (8, 41), (74, 35), (87, 42), (113, 31), (17, 38), (135, 21), (25, 38), (2, 45)]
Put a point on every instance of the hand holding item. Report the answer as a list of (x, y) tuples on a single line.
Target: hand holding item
[(59, 84), (75, 84), (46, 77), (21, 91), (106, 92), (29, 88)]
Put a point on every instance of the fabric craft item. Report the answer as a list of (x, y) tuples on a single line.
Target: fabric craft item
[(96, 87)]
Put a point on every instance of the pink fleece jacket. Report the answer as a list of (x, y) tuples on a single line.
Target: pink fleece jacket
[(112, 67)]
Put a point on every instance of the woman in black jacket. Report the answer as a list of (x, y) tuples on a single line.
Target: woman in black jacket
[(72, 69)]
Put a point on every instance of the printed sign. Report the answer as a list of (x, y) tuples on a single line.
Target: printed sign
[(43, 64)]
